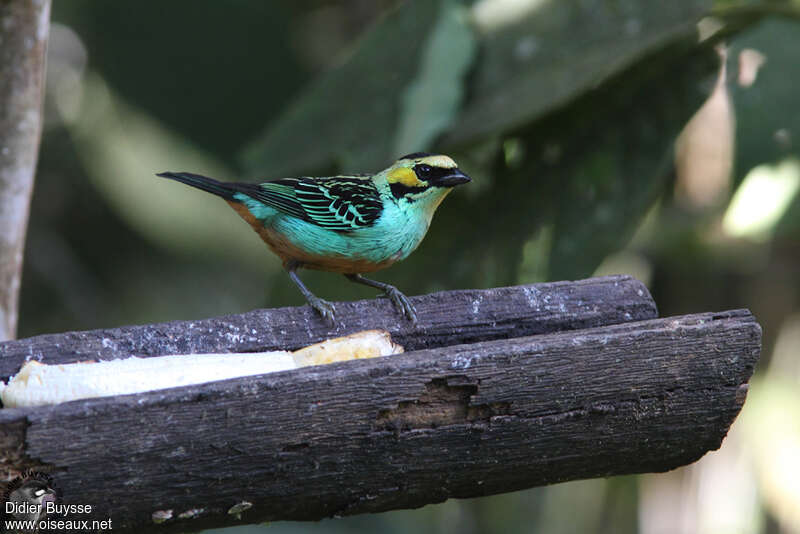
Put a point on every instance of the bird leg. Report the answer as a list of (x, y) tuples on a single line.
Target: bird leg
[(400, 301), (323, 307)]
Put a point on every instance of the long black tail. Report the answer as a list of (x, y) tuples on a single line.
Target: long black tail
[(222, 189)]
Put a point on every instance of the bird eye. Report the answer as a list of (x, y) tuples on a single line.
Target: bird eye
[(423, 171)]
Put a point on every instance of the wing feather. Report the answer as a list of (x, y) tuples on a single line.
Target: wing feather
[(339, 203)]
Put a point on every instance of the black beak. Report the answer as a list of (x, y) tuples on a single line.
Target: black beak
[(452, 178)]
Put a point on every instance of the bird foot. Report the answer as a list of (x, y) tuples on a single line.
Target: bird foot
[(402, 303), (324, 308)]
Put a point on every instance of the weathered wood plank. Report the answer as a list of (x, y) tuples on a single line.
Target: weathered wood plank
[(401, 431), (446, 318)]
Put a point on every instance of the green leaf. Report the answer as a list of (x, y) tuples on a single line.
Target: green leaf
[(584, 175), (766, 131), (616, 168), (350, 115), (432, 100), (554, 52)]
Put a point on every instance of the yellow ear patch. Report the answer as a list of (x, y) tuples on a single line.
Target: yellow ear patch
[(405, 176)]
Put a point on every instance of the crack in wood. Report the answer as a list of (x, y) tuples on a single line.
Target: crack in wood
[(441, 404), (295, 447), (361, 436)]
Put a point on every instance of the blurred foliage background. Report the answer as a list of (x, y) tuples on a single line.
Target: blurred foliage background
[(658, 139)]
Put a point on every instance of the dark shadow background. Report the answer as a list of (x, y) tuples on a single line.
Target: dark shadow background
[(565, 114)]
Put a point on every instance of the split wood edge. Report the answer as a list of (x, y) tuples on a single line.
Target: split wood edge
[(445, 318), (402, 431)]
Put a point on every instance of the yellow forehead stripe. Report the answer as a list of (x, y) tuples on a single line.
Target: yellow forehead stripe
[(405, 176), (442, 162)]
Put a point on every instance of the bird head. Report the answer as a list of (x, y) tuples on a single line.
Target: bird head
[(422, 180)]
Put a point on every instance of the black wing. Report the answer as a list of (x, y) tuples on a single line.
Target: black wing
[(340, 203)]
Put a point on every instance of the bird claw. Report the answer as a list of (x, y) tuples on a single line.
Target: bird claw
[(402, 304), (325, 309)]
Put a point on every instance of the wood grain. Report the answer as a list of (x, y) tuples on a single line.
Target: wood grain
[(445, 318), (401, 431)]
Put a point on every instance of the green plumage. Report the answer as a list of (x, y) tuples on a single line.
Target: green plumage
[(347, 224)]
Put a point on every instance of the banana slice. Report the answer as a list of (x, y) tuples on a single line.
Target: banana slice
[(39, 384), (366, 344)]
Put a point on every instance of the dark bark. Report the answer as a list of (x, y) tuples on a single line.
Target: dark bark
[(24, 25), (401, 431), (445, 318)]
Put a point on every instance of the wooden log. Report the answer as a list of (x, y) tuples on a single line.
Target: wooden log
[(445, 318), (400, 431)]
